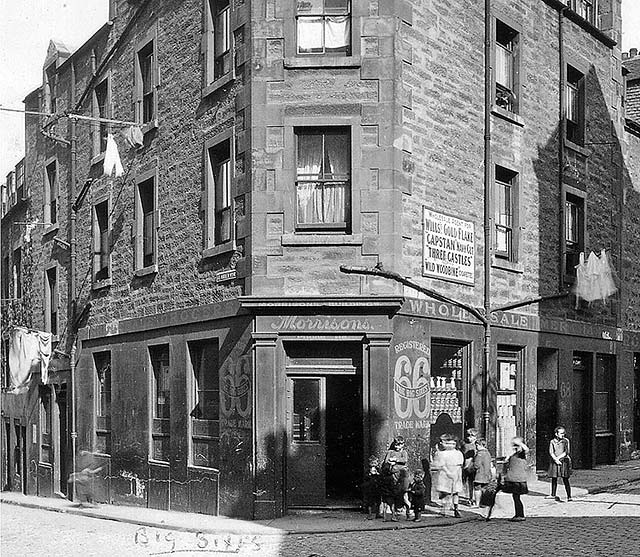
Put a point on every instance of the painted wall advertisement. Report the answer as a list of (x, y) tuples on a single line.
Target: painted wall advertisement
[(448, 247), (410, 389)]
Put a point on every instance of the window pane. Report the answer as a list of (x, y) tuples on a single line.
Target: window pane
[(337, 159), (572, 103), (161, 376), (204, 361), (205, 452), (336, 6), (310, 31), (504, 67), (309, 6), (306, 410), (337, 36), (161, 448), (309, 155)]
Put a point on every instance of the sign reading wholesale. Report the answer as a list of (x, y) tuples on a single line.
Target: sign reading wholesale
[(448, 247)]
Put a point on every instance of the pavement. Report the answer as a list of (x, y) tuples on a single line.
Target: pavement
[(583, 482)]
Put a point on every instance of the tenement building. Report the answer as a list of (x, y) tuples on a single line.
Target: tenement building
[(208, 352)]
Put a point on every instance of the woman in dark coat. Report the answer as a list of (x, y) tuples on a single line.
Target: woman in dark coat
[(560, 465)]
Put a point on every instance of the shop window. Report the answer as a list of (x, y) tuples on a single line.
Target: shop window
[(218, 53), (51, 301), (160, 401), (146, 226), (323, 185), (45, 425), (324, 27), (574, 233), (100, 110), (205, 403), (6, 278), (505, 199), (507, 66), (51, 193), (101, 242), (507, 410), (16, 272), (605, 394), (219, 210), (448, 372), (574, 105), (102, 364), (147, 81)]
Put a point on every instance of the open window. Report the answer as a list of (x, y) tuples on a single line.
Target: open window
[(160, 402), (218, 41), (574, 232), (51, 192), (147, 80), (101, 109), (147, 222), (574, 106), (505, 213), (51, 300), (101, 243), (507, 61), (102, 364), (219, 217)]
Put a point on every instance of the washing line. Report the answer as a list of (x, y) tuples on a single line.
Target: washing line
[(72, 116)]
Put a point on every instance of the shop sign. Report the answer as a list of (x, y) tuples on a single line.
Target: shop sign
[(448, 248), (321, 323), (224, 276)]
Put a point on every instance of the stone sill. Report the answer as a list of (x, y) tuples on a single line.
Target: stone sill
[(507, 115), (151, 125), (97, 159), (298, 62), (321, 240), (505, 265), (100, 284), (215, 85), (218, 250), (51, 228), (150, 270), (577, 148)]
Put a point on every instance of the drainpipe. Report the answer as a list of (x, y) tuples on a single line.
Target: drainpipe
[(488, 218), (562, 134), (71, 312)]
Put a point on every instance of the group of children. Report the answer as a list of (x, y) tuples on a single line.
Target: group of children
[(388, 488)]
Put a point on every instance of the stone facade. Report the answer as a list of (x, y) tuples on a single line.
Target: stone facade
[(409, 95)]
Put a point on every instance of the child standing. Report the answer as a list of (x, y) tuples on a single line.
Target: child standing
[(417, 490), (468, 449), (560, 466), (447, 472), (515, 477), (371, 489), (482, 468)]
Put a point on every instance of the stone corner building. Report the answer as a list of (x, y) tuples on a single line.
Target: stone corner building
[(222, 362)]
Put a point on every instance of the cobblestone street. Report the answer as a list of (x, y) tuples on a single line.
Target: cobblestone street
[(604, 524)]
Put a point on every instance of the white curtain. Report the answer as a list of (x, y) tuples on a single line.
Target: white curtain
[(310, 34), (337, 34), (503, 67)]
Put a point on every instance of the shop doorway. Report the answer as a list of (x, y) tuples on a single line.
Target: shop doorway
[(325, 440), (546, 404), (581, 425), (61, 441)]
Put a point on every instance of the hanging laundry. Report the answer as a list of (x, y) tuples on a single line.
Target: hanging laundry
[(29, 352), (134, 136), (607, 284), (112, 159), (27, 231), (594, 278)]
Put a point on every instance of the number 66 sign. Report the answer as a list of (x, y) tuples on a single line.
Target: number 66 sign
[(411, 388)]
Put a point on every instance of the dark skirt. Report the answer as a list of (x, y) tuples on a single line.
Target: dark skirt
[(562, 470), (518, 488)]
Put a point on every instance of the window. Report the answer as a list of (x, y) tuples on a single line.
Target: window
[(147, 222), (101, 242), (205, 406), (51, 193), (220, 221), (507, 65), (102, 364), (160, 401), (51, 88), (323, 185), (20, 182), (505, 197), (584, 8), (509, 362), (218, 34), (100, 110), (51, 301), (45, 425), (6, 278), (17, 273), (574, 232), (324, 27), (147, 78), (574, 106)]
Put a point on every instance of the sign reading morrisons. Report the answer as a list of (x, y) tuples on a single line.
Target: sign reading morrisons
[(448, 247)]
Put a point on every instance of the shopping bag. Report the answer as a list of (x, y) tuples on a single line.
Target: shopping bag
[(488, 495)]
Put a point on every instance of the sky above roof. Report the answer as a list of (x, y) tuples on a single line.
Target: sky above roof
[(26, 27)]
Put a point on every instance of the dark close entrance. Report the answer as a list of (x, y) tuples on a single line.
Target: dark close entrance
[(547, 404), (324, 430), (581, 426), (636, 401)]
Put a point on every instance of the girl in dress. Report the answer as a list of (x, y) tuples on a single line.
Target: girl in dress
[(447, 472), (560, 466), (515, 477)]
